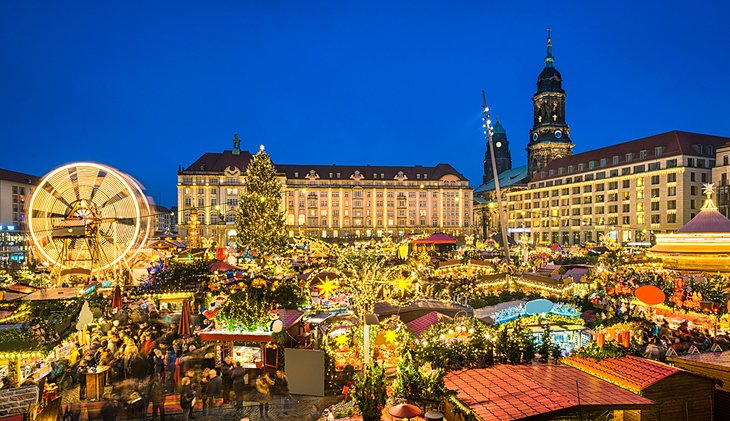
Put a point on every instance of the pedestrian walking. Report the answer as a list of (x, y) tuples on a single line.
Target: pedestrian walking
[(263, 389), (187, 398), (225, 370), (157, 396), (215, 384), (239, 382), (281, 386), (170, 368)]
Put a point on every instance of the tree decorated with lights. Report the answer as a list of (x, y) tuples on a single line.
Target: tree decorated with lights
[(260, 221)]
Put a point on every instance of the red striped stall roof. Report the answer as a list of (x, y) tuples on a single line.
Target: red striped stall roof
[(419, 325)]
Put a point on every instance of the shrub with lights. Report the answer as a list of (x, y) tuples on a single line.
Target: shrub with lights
[(370, 393), (420, 382), (457, 343)]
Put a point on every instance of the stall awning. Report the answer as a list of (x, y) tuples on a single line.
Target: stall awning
[(218, 335), (435, 239)]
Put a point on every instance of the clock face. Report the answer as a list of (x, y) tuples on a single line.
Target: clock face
[(499, 144), (558, 134), (534, 136)]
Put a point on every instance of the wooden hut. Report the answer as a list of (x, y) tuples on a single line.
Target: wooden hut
[(715, 365), (677, 394)]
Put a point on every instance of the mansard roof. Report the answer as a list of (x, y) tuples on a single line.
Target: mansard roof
[(213, 162), (370, 172), (670, 143), (219, 161)]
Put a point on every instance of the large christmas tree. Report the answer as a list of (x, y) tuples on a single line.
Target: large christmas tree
[(260, 221)]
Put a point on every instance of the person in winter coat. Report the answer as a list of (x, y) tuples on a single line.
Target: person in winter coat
[(263, 395), (157, 396), (281, 387), (215, 385), (239, 383), (81, 373), (136, 407), (138, 367), (225, 370), (187, 398), (159, 362), (170, 368)]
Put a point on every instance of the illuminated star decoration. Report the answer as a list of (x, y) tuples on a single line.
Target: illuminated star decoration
[(327, 288), (391, 336), (342, 340), (404, 285)]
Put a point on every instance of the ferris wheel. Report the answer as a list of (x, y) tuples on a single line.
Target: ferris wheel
[(86, 218)]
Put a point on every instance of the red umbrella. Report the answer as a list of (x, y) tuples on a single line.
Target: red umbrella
[(405, 411), (184, 327), (221, 266), (117, 297)]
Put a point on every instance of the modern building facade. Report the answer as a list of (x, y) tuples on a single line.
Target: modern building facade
[(15, 190), (627, 191), (329, 201), (720, 176), (163, 221)]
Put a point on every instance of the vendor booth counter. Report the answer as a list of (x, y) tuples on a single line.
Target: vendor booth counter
[(264, 355)]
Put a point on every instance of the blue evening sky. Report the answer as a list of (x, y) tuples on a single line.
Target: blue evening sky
[(145, 86)]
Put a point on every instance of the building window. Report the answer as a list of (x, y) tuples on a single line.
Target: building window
[(672, 178), (671, 218), (658, 151), (654, 179), (643, 154), (671, 191)]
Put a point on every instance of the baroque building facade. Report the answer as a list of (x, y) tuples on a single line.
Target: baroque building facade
[(328, 201)]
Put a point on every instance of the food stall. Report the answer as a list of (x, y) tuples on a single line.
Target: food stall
[(251, 349)]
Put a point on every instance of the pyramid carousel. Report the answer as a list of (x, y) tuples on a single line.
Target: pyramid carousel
[(703, 244)]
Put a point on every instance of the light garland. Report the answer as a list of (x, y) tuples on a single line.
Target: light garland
[(12, 355)]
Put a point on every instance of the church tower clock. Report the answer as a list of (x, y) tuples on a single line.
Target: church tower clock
[(550, 134), (502, 155)]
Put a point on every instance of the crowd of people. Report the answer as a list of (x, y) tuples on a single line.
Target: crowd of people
[(147, 364)]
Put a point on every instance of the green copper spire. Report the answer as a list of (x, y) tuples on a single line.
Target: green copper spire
[(549, 57)]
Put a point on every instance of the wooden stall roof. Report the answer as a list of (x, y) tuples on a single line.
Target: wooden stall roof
[(715, 365), (419, 325), (514, 392), (629, 372), (52, 294)]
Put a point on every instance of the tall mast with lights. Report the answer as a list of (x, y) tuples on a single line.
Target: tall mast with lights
[(500, 210)]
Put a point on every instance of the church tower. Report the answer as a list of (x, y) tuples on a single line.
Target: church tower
[(502, 155), (550, 134)]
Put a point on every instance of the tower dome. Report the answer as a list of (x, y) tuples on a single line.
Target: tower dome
[(549, 79)]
